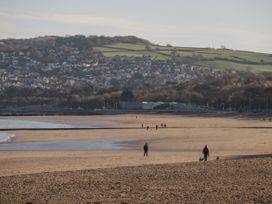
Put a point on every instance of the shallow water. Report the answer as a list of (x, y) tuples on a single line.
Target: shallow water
[(83, 123), (6, 136), (47, 124), (101, 144), (15, 123)]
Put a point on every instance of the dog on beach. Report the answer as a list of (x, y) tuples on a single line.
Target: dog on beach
[(202, 159)]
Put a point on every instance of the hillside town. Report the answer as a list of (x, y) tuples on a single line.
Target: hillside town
[(59, 74), (25, 69)]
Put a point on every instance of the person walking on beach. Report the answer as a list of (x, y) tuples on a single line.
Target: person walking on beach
[(206, 153), (145, 149)]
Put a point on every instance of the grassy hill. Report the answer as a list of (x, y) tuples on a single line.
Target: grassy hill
[(132, 46), (221, 59)]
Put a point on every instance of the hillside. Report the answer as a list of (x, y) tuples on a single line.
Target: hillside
[(78, 71), (43, 48), (76, 41), (219, 59)]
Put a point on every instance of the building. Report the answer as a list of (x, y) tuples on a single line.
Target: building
[(130, 105)]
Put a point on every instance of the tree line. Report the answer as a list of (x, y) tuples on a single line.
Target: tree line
[(250, 92)]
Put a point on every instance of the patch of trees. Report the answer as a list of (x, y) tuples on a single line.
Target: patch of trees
[(77, 41), (248, 93), (251, 92)]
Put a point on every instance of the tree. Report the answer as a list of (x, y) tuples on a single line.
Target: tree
[(127, 95), (115, 83), (147, 47)]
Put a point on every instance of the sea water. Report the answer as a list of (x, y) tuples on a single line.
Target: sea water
[(47, 124), (6, 137), (14, 123), (92, 144)]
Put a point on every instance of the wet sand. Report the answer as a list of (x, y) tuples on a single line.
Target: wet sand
[(223, 181), (181, 141)]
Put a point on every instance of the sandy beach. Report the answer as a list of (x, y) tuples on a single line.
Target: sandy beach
[(170, 174), (181, 141), (224, 181)]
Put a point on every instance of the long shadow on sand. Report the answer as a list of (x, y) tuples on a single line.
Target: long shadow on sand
[(256, 156)]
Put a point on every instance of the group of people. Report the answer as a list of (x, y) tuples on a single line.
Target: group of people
[(205, 152), (157, 127)]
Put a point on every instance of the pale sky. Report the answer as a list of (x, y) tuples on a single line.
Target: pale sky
[(237, 24)]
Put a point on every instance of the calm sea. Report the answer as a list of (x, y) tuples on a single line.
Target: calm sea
[(15, 123)]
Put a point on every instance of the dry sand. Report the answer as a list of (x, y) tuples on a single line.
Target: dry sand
[(223, 181), (181, 141)]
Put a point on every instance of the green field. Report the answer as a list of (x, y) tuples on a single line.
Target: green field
[(220, 59)]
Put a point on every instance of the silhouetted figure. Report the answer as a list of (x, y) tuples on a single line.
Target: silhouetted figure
[(157, 127), (206, 153), (142, 125), (164, 125), (161, 125), (146, 150), (147, 127)]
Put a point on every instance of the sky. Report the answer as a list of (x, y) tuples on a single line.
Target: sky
[(236, 24)]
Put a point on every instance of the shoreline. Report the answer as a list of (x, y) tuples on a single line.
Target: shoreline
[(6, 137)]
